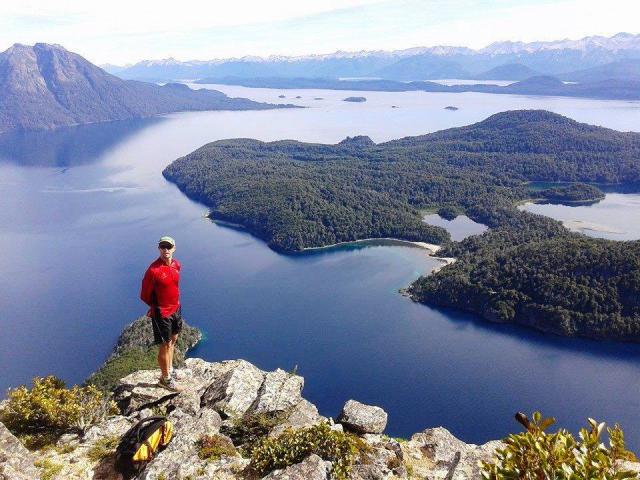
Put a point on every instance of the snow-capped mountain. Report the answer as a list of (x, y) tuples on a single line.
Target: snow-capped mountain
[(417, 63), (621, 41)]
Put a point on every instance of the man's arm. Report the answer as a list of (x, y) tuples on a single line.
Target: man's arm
[(146, 292)]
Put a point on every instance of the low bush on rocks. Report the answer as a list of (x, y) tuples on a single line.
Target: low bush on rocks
[(49, 469), (103, 448), (214, 447), (249, 429), (293, 446), (38, 416), (535, 454)]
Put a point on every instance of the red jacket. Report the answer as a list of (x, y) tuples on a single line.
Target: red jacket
[(162, 282)]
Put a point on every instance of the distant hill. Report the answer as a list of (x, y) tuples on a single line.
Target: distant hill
[(46, 86), (423, 67), (627, 69), (419, 63), (542, 84), (511, 71)]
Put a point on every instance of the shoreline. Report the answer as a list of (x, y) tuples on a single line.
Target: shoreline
[(433, 248), (430, 247)]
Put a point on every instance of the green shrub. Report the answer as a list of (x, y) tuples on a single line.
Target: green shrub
[(293, 446), (49, 468), (66, 448), (249, 429), (213, 447), (41, 414), (534, 454), (103, 448)]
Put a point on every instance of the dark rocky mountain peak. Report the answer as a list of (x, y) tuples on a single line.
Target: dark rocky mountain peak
[(47, 86)]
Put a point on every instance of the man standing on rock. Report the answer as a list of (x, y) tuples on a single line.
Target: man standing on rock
[(160, 290)]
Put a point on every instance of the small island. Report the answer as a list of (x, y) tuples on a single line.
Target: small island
[(448, 212), (451, 108), (354, 99)]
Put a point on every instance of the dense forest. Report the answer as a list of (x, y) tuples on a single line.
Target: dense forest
[(564, 283), (575, 192), (297, 195)]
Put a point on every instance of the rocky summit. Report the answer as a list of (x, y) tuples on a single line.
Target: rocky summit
[(215, 397), (47, 86)]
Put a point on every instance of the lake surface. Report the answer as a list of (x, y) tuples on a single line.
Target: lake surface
[(616, 217), (82, 210), (459, 228), (457, 81)]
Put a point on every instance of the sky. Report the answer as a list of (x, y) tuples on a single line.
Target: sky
[(126, 31)]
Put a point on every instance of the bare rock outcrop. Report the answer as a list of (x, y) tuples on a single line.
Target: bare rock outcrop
[(16, 462), (218, 395), (437, 453), (311, 468), (361, 418)]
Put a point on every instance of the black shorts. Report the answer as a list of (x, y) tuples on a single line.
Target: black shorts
[(165, 327)]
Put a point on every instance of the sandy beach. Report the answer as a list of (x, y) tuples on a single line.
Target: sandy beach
[(580, 225), (431, 248)]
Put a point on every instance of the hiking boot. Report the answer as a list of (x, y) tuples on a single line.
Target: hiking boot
[(172, 374), (179, 374), (170, 384)]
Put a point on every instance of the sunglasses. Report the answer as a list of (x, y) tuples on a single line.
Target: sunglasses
[(165, 246)]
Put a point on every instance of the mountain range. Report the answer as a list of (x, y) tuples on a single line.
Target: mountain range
[(559, 58), (46, 86)]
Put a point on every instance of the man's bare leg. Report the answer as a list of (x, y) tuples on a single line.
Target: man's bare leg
[(164, 358), (172, 348)]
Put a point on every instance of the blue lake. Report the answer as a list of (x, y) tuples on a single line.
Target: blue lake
[(82, 209), (459, 228), (616, 217)]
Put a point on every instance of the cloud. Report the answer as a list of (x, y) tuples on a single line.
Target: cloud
[(123, 31)]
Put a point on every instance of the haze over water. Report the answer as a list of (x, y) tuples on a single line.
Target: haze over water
[(78, 233)]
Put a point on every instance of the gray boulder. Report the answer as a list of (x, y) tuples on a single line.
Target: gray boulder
[(437, 453), (111, 427), (311, 468), (279, 392), (361, 418), (140, 390), (16, 462), (303, 414), (234, 388), (384, 460)]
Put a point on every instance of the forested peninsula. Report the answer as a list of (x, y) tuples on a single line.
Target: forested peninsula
[(526, 269)]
